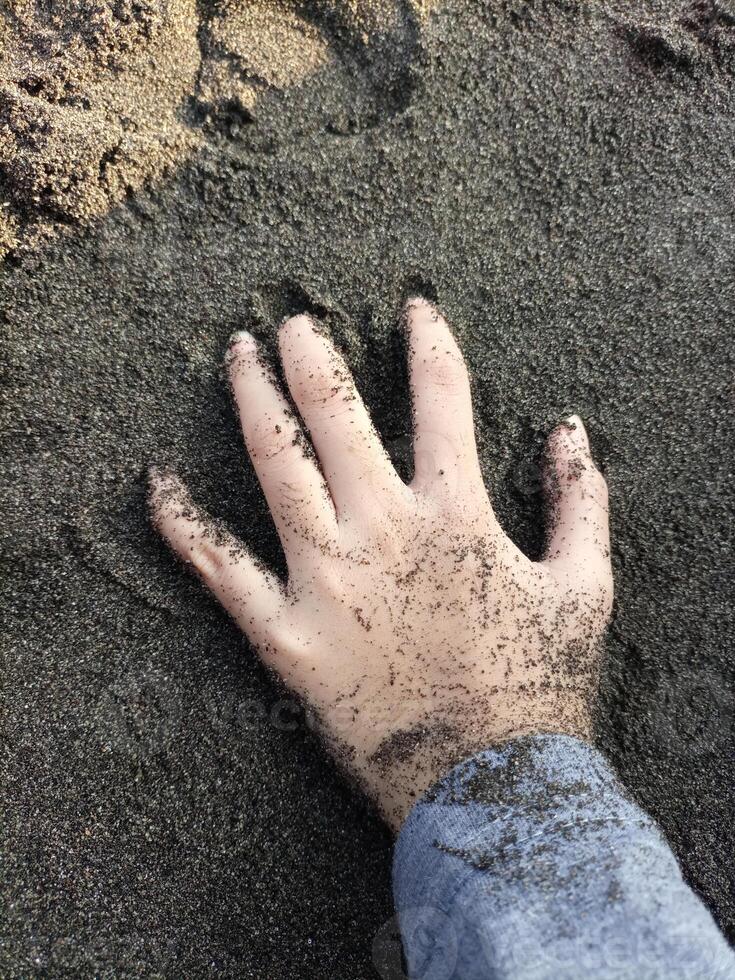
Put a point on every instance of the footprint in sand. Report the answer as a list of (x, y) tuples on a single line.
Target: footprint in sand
[(94, 96)]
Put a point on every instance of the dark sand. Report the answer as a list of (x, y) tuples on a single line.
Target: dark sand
[(561, 181)]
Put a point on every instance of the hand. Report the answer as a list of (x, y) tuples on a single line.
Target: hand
[(410, 624)]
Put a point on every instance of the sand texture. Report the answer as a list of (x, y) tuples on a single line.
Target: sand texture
[(559, 177), (96, 99)]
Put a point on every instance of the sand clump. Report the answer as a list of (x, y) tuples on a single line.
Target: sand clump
[(89, 105), (96, 98)]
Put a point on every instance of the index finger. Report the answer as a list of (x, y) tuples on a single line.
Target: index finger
[(353, 459)]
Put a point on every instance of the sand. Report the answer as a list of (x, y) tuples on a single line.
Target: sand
[(96, 99), (559, 177)]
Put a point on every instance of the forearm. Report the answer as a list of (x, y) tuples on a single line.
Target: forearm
[(530, 862)]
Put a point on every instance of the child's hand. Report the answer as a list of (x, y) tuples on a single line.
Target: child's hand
[(413, 627)]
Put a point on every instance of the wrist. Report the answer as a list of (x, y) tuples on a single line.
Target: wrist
[(408, 764)]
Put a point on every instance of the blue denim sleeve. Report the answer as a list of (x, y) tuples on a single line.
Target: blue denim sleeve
[(529, 862)]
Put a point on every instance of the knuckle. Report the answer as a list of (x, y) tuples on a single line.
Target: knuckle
[(327, 397), (587, 589), (446, 371), (395, 534), (206, 560), (332, 581), (385, 542), (579, 471), (293, 493), (321, 382), (279, 640), (470, 506), (271, 442), (595, 475)]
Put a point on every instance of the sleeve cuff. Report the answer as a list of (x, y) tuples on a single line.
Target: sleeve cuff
[(530, 860)]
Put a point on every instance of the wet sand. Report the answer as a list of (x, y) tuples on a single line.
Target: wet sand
[(560, 181)]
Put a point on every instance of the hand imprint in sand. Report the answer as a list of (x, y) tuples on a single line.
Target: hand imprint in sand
[(413, 627)]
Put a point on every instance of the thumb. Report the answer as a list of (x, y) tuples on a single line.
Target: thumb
[(578, 533)]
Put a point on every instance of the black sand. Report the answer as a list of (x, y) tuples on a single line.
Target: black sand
[(561, 181)]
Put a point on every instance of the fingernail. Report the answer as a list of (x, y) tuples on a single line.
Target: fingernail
[(417, 304), (241, 337), (305, 321), (157, 474), (577, 432), (298, 319), (239, 343)]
